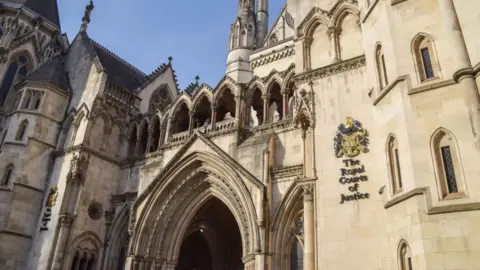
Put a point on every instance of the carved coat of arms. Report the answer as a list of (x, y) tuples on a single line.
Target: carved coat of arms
[(351, 139)]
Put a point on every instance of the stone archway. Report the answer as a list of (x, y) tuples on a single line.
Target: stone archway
[(212, 240), (166, 212)]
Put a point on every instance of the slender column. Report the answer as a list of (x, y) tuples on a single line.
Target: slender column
[(304, 136), (285, 104), (307, 42), (191, 123), (334, 34), (137, 147), (266, 99), (149, 141), (214, 116), (308, 229), (461, 63), (66, 222), (136, 261), (147, 263)]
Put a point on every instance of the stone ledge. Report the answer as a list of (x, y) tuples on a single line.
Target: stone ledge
[(15, 234), (433, 210)]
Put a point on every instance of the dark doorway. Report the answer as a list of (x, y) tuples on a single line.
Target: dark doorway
[(213, 240)]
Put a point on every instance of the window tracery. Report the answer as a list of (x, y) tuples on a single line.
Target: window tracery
[(17, 70), (32, 99), (84, 260), (159, 101)]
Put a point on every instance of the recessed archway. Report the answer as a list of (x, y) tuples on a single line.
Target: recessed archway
[(212, 240)]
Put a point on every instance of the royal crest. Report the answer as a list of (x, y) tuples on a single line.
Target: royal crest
[(351, 139)]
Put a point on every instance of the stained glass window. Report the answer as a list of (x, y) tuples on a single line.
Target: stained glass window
[(18, 66), (449, 169)]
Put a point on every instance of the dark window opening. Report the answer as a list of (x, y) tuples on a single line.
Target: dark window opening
[(449, 169), (427, 63)]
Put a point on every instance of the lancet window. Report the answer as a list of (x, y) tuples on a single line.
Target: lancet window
[(7, 175), (394, 165), (425, 58), (17, 70)]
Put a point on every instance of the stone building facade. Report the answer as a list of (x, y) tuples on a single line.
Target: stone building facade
[(345, 136)]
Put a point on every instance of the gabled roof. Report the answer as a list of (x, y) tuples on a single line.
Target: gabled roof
[(119, 72), (48, 9), (52, 72)]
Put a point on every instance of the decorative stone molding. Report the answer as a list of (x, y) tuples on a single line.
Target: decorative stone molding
[(307, 192), (288, 171), (273, 57), (330, 70)]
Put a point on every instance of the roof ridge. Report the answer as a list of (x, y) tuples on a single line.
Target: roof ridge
[(158, 71), (117, 57)]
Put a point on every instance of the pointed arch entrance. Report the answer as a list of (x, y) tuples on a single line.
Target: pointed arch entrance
[(169, 214), (212, 240)]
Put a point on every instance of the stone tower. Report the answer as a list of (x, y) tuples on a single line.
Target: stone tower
[(246, 34)]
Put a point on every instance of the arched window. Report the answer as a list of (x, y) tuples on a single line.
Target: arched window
[(7, 175), (26, 100), (256, 109), (275, 104), (425, 58), (17, 70), (404, 257), (394, 165), (142, 148), (381, 67), (22, 128), (296, 256), (447, 165)]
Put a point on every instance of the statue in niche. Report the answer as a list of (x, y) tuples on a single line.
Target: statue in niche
[(273, 115), (253, 118)]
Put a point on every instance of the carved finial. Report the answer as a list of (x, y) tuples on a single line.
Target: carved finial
[(170, 59), (197, 78), (86, 17)]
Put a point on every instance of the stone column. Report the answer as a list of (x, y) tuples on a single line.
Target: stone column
[(461, 63), (307, 57), (191, 123), (214, 116), (308, 229), (334, 34), (61, 248), (137, 147), (147, 263), (304, 136), (149, 141), (266, 99), (285, 103)]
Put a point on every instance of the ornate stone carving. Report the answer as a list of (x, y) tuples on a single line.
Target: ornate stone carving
[(95, 210), (78, 167), (330, 70), (308, 191), (351, 139)]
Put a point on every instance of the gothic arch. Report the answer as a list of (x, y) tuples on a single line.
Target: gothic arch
[(87, 241), (225, 87), (177, 105), (273, 79), (173, 198), (288, 210), (313, 22), (198, 97), (425, 41), (116, 238), (342, 12), (290, 72), (255, 85)]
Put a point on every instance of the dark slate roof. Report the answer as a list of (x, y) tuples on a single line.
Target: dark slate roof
[(48, 9), (119, 72), (53, 72)]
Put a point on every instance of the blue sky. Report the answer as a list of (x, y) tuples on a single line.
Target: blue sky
[(146, 32)]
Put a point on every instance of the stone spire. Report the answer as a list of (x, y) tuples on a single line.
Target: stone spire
[(86, 17)]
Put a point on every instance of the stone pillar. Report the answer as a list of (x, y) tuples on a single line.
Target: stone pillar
[(63, 237), (147, 263), (334, 34), (136, 262), (149, 141), (308, 229), (266, 99), (460, 61), (304, 136), (214, 116), (137, 147), (307, 56), (285, 103), (191, 123)]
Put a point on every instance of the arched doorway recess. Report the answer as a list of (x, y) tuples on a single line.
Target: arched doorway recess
[(167, 210), (212, 240)]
